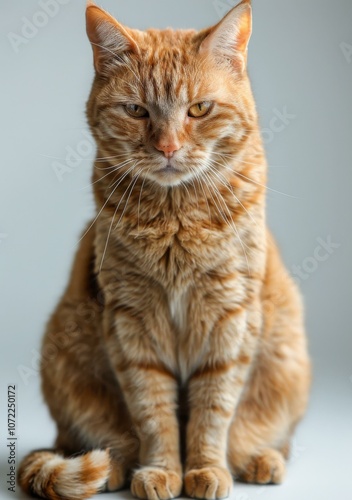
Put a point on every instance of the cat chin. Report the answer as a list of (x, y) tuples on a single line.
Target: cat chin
[(167, 182), (169, 177)]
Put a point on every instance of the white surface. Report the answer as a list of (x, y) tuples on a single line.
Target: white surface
[(296, 62), (320, 467)]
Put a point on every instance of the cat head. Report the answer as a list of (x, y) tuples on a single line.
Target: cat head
[(168, 104)]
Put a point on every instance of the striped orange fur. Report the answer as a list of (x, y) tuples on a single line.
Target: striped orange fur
[(178, 344), (49, 475)]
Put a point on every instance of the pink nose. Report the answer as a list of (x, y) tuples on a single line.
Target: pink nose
[(168, 148)]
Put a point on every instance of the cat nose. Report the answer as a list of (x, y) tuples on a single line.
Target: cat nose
[(168, 148)]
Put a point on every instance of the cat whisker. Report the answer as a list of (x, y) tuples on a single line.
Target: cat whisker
[(264, 185), (183, 184), (246, 161), (104, 205), (108, 237), (111, 224), (226, 166), (229, 222), (135, 178), (122, 177), (140, 197), (269, 166), (195, 193), (114, 157), (101, 159), (111, 167), (117, 167), (104, 158), (258, 164), (228, 186), (211, 195), (200, 183)]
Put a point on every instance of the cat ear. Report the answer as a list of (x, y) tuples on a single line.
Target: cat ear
[(108, 37), (228, 40)]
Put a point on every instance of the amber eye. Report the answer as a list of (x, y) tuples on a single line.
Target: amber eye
[(199, 109), (136, 111)]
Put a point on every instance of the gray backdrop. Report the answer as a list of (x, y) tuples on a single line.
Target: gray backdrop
[(301, 67)]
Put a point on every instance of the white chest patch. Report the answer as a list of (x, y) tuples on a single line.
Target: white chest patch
[(178, 305)]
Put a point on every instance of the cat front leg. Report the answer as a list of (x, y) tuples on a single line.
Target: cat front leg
[(214, 392), (150, 391)]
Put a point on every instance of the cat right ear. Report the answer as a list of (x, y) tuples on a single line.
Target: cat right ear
[(108, 37), (228, 40)]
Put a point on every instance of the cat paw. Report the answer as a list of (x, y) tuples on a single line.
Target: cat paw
[(210, 483), (268, 467), (150, 483)]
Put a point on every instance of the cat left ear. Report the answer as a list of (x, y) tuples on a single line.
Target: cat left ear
[(108, 37), (228, 40)]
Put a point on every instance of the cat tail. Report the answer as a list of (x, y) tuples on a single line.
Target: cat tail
[(50, 475)]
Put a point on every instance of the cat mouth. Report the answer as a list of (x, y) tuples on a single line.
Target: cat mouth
[(168, 170), (168, 175)]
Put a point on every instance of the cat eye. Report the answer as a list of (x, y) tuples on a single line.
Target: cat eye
[(200, 109), (136, 111)]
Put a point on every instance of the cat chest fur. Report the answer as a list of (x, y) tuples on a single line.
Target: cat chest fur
[(178, 307)]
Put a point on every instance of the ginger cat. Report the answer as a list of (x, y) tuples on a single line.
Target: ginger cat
[(176, 358)]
